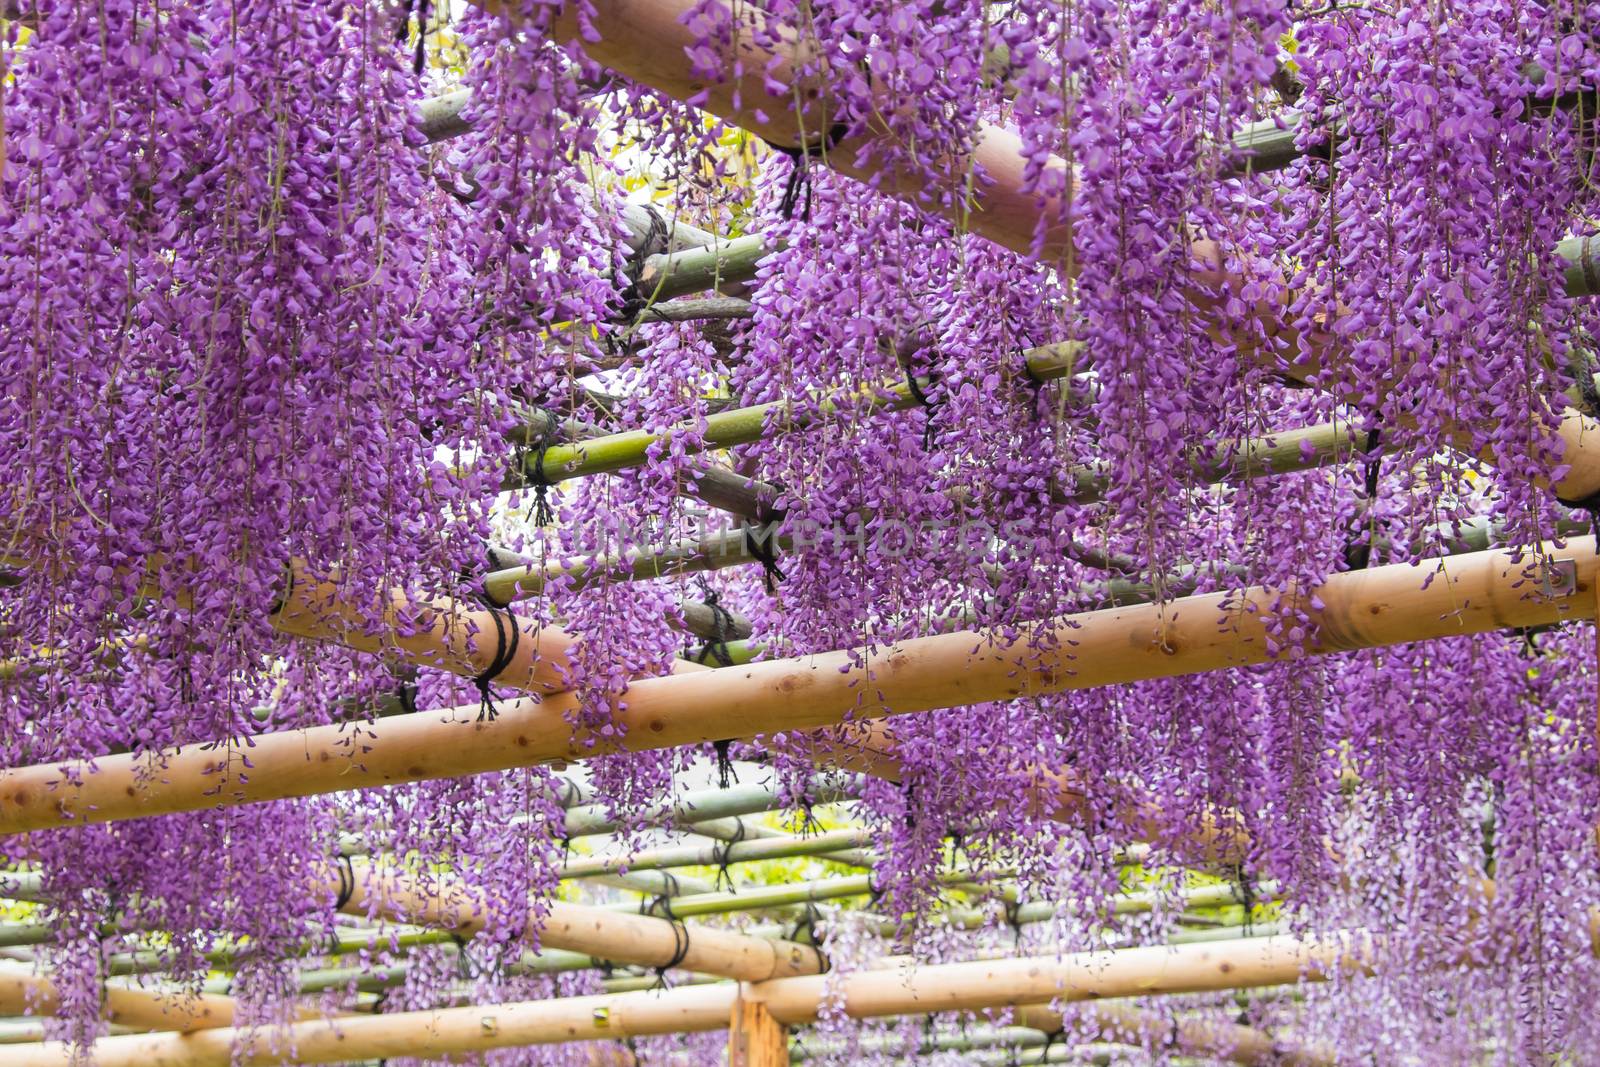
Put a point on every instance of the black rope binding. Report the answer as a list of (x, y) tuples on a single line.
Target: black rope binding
[(1586, 260), (1587, 392), (407, 695), (347, 883), (762, 549), (660, 905), (680, 950), (1247, 896), (655, 241), (1014, 920), (722, 856), (725, 770), (808, 923), (505, 652), (800, 174), (1358, 551), (716, 645), (533, 472)]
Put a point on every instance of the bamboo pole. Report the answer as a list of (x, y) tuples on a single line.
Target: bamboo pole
[(1231, 1041), (703, 805), (785, 894), (448, 635), (790, 1001), (739, 426), (695, 270), (24, 993), (1108, 1022), (1389, 605), (597, 932), (751, 851)]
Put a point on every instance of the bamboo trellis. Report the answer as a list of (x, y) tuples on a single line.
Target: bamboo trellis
[(779, 983)]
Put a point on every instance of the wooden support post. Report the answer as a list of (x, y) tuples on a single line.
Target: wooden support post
[(755, 1038)]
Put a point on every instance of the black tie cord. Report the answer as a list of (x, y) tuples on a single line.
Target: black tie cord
[(914, 387), (655, 241), (680, 932), (716, 645), (347, 883), (1586, 389), (762, 548), (407, 695), (1014, 920), (532, 468), (661, 903), (505, 653), (722, 856), (1358, 551), (1247, 896), (680, 950), (725, 769), (799, 175), (808, 923)]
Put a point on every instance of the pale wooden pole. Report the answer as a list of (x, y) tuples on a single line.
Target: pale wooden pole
[(25, 993), (447, 635), (755, 1038), (1231, 1041), (1381, 606), (789, 1001), (598, 932)]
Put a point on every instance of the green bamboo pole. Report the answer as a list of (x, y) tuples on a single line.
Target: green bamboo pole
[(707, 804), (731, 831), (1283, 452), (343, 942), (725, 429), (714, 552), (655, 885), (747, 498), (753, 897), (751, 851), (716, 307), (969, 1040), (694, 270), (17, 935), (1274, 454), (690, 812)]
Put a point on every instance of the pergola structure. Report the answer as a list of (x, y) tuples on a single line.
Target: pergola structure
[(647, 915)]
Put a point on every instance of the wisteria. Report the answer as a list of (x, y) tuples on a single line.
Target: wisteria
[(907, 531)]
